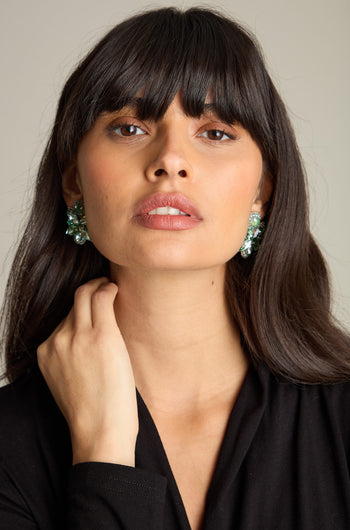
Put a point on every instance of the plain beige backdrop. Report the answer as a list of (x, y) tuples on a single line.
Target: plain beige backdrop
[(306, 45)]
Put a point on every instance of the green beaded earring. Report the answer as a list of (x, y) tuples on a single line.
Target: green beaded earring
[(254, 235), (77, 223)]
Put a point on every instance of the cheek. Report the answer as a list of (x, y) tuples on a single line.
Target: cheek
[(102, 194), (102, 178), (239, 190), (235, 201), (96, 173), (99, 165)]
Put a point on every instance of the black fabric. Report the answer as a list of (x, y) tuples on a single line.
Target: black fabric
[(283, 465)]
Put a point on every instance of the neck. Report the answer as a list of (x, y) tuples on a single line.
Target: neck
[(177, 328)]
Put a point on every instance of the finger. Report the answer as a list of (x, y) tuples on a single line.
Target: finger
[(82, 302), (102, 305)]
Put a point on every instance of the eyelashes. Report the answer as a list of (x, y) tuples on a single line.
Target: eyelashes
[(126, 130), (129, 129), (217, 135)]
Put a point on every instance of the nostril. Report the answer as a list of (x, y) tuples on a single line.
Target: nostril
[(160, 172)]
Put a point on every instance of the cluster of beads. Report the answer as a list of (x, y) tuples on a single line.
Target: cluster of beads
[(254, 234), (77, 223)]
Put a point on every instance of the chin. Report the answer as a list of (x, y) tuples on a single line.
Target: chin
[(166, 254), (171, 261)]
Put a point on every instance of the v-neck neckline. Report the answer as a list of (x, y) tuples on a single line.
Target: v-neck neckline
[(241, 427)]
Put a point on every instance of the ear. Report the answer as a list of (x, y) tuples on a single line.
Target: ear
[(71, 187), (264, 194)]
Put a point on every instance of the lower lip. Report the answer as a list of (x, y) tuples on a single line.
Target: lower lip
[(167, 222)]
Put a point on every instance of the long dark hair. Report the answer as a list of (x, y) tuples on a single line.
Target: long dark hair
[(280, 298)]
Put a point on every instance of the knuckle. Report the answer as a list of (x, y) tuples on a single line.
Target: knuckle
[(40, 353), (82, 291), (58, 342), (42, 357), (102, 294)]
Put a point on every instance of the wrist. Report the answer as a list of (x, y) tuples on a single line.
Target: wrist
[(111, 451)]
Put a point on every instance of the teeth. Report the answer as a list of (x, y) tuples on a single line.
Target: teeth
[(166, 210)]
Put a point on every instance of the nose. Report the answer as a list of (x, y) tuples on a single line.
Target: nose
[(169, 160)]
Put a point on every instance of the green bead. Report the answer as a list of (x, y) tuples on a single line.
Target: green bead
[(253, 237), (76, 223)]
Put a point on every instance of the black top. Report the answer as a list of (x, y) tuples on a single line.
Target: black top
[(283, 465)]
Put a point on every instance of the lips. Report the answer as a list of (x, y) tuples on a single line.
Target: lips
[(167, 211)]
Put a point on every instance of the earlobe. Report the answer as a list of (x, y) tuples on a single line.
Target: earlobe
[(71, 189), (265, 191)]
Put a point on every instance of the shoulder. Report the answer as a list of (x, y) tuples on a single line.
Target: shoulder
[(319, 395), (25, 402), (35, 453), (277, 384), (318, 408), (30, 423)]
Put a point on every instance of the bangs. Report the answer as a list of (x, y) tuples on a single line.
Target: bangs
[(163, 52), (179, 53)]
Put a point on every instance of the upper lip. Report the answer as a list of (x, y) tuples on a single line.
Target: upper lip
[(175, 200)]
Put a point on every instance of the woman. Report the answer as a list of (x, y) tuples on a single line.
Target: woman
[(195, 279)]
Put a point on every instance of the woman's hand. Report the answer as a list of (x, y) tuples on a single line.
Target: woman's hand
[(87, 368)]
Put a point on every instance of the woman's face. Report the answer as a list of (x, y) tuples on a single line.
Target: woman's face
[(208, 172)]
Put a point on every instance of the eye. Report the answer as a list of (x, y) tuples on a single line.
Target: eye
[(126, 129), (217, 135)]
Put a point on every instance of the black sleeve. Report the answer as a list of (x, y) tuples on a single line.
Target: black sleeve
[(100, 496), (39, 488), (114, 497), (14, 511)]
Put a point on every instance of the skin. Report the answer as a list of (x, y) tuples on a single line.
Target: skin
[(168, 330)]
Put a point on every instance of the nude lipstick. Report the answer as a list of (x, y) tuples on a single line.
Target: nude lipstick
[(167, 211)]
